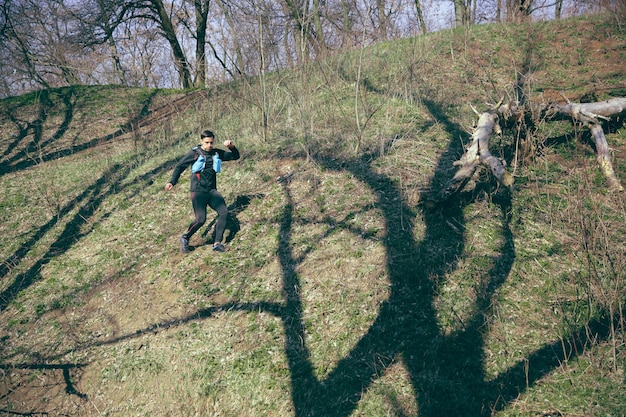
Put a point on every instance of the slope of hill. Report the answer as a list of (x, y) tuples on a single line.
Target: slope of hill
[(340, 295)]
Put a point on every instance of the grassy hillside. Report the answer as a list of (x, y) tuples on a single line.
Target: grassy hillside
[(341, 295)]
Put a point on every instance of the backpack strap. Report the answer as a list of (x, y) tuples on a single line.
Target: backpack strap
[(200, 161)]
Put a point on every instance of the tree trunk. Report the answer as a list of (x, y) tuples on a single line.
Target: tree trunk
[(420, 16), (347, 23), (180, 60), (319, 30), (300, 29), (520, 10), (382, 19), (460, 13), (202, 16), (558, 7)]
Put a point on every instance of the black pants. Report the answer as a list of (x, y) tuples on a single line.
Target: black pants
[(200, 201)]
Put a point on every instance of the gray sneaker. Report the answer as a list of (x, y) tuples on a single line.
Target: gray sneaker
[(218, 247), (184, 245)]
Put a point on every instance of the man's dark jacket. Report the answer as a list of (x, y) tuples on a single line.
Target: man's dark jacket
[(206, 180)]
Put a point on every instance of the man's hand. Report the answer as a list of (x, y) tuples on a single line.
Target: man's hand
[(229, 144), (168, 186)]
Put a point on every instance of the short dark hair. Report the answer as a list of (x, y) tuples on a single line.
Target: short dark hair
[(207, 134)]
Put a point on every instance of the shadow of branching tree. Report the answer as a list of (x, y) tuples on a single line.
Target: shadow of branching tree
[(30, 146), (447, 370), (74, 217)]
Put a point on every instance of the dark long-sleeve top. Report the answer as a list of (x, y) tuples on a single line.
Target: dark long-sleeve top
[(205, 180)]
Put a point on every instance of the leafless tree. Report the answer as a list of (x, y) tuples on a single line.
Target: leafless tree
[(303, 19), (135, 42), (199, 33), (95, 23), (558, 8), (420, 16), (382, 19), (462, 12), (36, 37)]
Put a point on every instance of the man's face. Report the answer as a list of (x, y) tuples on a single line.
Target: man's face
[(206, 143)]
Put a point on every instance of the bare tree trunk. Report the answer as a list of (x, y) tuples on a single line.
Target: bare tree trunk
[(319, 31), (558, 7), (519, 10), (300, 29), (474, 11), (382, 19), (525, 9), (180, 60), (460, 13), (202, 16), (604, 157), (420, 16)]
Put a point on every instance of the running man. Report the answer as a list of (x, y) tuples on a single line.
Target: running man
[(206, 163)]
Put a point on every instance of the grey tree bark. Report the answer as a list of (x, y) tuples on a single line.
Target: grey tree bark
[(590, 115), (477, 153)]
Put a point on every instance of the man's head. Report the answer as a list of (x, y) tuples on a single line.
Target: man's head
[(207, 138)]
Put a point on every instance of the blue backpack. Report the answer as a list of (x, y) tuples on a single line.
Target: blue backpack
[(198, 166), (200, 163)]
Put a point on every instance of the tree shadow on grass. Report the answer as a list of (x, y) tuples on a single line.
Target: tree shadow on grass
[(445, 370), (233, 226), (85, 207), (38, 150), (65, 371)]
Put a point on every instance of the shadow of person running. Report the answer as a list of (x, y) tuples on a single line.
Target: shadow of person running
[(233, 226)]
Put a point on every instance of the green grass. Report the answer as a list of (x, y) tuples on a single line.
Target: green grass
[(340, 295)]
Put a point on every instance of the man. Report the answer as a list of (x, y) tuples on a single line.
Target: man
[(206, 162)]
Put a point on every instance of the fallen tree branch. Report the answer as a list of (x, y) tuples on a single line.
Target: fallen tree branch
[(590, 115), (477, 153)]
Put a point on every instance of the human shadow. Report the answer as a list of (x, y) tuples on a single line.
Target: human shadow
[(233, 226)]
